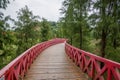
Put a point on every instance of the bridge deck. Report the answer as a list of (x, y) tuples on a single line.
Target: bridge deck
[(53, 64)]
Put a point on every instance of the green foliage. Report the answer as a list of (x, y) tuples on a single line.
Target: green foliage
[(26, 30), (3, 3), (75, 21), (7, 38), (15, 42), (8, 47), (113, 54), (104, 21), (44, 30)]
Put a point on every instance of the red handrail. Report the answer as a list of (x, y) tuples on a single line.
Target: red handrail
[(18, 67), (91, 64)]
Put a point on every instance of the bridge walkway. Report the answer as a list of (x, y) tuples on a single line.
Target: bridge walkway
[(54, 64)]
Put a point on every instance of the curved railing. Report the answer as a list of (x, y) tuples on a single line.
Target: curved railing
[(91, 64), (18, 67)]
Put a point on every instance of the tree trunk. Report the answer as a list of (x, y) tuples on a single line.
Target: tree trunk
[(71, 40), (81, 37), (114, 43), (103, 43), (26, 41), (115, 33), (103, 46)]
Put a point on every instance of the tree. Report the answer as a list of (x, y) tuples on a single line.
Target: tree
[(7, 37), (75, 19), (44, 30), (26, 28), (106, 20), (115, 29), (3, 3)]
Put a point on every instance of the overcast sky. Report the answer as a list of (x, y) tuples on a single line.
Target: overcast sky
[(48, 9)]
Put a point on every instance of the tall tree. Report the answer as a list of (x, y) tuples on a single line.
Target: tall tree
[(114, 11), (75, 12), (26, 28), (106, 20)]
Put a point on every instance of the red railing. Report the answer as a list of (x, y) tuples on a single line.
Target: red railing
[(18, 67), (91, 64)]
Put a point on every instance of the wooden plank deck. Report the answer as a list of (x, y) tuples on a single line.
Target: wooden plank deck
[(53, 64)]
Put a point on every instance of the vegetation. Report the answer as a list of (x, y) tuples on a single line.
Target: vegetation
[(94, 24), (27, 29), (91, 25)]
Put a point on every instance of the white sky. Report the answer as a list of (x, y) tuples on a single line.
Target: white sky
[(48, 9)]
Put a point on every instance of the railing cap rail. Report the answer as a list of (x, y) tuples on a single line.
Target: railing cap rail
[(113, 63), (16, 60)]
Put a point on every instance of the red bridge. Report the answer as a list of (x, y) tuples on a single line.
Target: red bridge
[(57, 60)]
